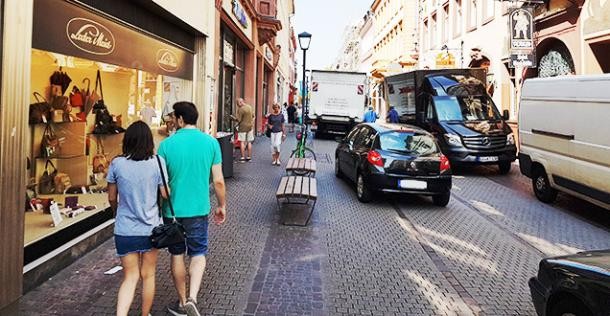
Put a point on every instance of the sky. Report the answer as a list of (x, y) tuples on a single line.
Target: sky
[(325, 20)]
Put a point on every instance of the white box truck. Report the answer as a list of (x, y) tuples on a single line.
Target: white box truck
[(565, 137), (337, 100)]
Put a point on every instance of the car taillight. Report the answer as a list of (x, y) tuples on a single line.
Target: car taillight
[(445, 165), (374, 158)]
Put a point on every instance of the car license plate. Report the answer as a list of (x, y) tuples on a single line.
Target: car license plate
[(412, 184), (488, 159)]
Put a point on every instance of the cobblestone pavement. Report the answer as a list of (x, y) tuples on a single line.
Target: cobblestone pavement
[(395, 256)]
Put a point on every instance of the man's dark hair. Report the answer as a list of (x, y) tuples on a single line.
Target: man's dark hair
[(138, 142), (187, 111)]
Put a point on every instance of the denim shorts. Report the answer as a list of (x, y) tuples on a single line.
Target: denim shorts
[(196, 243), (130, 244)]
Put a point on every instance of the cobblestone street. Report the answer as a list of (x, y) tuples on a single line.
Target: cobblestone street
[(394, 256)]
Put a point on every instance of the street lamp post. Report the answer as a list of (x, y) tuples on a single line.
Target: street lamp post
[(304, 40)]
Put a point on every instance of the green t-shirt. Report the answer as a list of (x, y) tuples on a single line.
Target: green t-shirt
[(189, 155)]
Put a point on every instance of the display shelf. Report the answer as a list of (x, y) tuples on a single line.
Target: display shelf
[(62, 157), (39, 225)]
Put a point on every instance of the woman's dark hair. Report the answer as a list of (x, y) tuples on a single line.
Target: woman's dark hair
[(187, 111), (138, 142)]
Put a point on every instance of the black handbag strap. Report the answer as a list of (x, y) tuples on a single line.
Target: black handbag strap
[(98, 79), (169, 201), (46, 165), (36, 95)]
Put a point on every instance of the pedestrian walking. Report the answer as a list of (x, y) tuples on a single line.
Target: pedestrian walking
[(392, 116), (370, 116), (135, 177), (275, 122), (245, 129), (190, 155), (291, 113)]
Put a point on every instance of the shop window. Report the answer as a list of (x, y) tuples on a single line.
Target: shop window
[(457, 18), (472, 15), (69, 151)]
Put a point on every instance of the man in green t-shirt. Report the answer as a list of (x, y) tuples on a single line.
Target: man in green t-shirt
[(190, 155), (245, 128)]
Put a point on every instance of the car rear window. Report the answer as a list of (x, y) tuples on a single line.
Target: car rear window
[(408, 142)]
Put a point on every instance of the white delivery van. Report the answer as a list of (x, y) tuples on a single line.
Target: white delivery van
[(564, 133), (337, 100)]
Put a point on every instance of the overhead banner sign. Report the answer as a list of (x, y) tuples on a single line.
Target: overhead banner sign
[(65, 28), (522, 47)]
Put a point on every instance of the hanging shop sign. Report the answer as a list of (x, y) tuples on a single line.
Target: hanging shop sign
[(521, 29), (522, 60), (445, 60), (240, 14), (65, 28)]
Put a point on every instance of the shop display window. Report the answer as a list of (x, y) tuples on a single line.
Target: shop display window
[(70, 152)]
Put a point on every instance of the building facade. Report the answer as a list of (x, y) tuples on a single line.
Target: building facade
[(348, 56), (146, 54), (251, 61)]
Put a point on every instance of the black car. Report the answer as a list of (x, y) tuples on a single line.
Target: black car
[(393, 158), (576, 285)]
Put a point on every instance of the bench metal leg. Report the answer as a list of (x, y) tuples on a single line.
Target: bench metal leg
[(306, 202)]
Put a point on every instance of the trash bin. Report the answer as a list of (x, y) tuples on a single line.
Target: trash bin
[(226, 148)]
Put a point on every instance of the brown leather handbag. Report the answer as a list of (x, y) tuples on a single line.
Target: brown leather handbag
[(49, 145), (46, 183), (100, 162)]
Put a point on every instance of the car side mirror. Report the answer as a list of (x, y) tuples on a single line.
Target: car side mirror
[(505, 115)]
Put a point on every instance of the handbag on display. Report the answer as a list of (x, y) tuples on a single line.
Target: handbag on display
[(40, 112), (59, 102), (100, 162), (49, 145), (76, 98), (166, 235), (104, 122), (61, 182), (46, 183)]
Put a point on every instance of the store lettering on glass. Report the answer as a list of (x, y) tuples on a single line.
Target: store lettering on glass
[(167, 60), (90, 36)]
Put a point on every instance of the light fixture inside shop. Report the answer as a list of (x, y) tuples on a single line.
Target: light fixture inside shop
[(304, 40)]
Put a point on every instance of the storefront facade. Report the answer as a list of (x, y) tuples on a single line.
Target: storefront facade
[(247, 58), (63, 51)]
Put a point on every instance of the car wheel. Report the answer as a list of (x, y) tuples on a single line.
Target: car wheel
[(504, 167), (337, 168), (441, 199), (362, 190), (569, 307), (542, 187)]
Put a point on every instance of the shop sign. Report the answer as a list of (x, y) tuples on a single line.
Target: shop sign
[(268, 54), (90, 36), (445, 60), (240, 14), (522, 60), (521, 28), (66, 28), (167, 60)]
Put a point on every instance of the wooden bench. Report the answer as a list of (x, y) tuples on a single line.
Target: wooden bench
[(297, 190), (301, 166)]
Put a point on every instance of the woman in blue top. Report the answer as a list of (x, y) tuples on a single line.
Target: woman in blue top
[(136, 178)]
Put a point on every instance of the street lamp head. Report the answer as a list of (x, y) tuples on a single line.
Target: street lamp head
[(304, 40)]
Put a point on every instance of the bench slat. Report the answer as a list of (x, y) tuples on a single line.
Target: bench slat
[(313, 165), (282, 188), (297, 186), (305, 188), (290, 185), (313, 188)]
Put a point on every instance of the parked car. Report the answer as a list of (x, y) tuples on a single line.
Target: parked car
[(563, 132), (394, 158), (577, 285)]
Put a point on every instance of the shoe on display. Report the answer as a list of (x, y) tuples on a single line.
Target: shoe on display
[(191, 308), (177, 309)]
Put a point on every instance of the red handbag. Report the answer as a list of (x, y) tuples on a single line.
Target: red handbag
[(76, 98)]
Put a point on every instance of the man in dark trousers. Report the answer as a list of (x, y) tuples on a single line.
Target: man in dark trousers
[(291, 110)]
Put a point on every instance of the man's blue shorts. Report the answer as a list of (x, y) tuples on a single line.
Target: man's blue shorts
[(196, 243)]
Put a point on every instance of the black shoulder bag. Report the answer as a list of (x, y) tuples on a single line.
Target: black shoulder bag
[(166, 235)]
